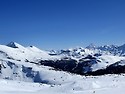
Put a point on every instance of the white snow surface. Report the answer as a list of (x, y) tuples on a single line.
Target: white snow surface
[(72, 84)]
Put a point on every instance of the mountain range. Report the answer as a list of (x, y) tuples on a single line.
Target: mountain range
[(75, 71), (19, 62)]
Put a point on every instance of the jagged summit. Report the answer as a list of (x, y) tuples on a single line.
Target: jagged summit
[(14, 45), (108, 47), (122, 47), (91, 46)]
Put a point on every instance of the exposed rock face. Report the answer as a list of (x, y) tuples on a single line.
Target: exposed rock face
[(83, 66)]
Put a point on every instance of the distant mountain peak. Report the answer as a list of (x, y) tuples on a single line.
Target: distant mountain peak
[(109, 46), (122, 45), (14, 45), (91, 46)]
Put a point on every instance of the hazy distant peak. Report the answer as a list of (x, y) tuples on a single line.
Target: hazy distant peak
[(91, 46)]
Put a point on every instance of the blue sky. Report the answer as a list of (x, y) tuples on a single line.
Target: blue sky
[(56, 24)]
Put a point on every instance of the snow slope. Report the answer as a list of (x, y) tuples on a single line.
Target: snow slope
[(106, 60), (17, 52), (110, 84)]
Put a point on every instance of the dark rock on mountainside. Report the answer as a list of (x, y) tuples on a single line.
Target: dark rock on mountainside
[(83, 66), (116, 68), (12, 44), (66, 65)]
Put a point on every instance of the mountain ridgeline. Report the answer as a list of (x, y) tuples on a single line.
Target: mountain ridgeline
[(19, 62), (91, 60)]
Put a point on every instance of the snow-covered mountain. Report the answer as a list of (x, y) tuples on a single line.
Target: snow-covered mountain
[(86, 60), (112, 49), (50, 70), (78, 60), (21, 63), (17, 52)]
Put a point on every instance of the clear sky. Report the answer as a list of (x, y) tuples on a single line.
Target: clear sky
[(55, 24)]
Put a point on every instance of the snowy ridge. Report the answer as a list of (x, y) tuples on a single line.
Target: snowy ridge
[(16, 51), (91, 58), (27, 68), (15, 45), (77, 60)]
